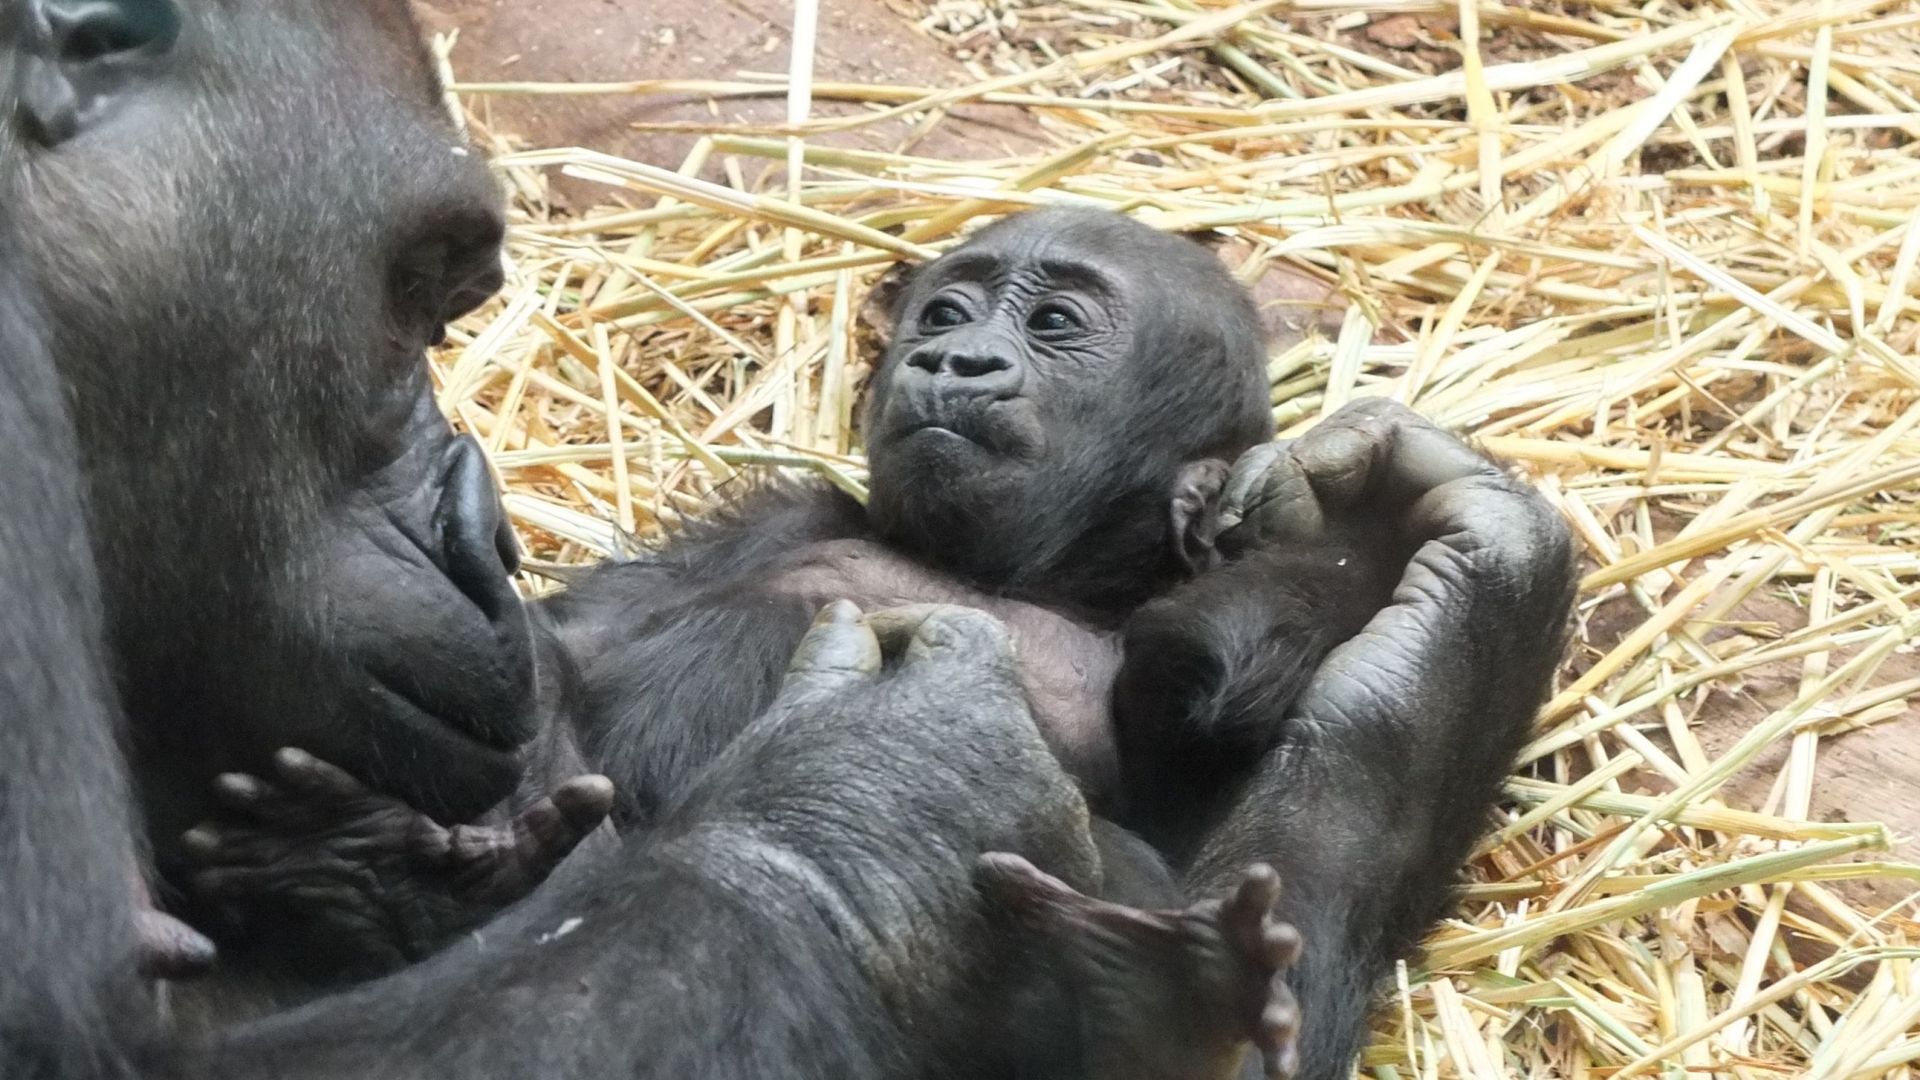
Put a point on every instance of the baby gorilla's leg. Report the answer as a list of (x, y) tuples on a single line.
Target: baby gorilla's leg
[(1163, 995), (377, 883)]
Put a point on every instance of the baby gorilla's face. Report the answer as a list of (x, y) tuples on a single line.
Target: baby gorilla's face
[(1050, 377), (1004, 362)]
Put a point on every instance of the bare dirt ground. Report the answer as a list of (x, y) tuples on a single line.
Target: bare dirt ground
[(622, 40)]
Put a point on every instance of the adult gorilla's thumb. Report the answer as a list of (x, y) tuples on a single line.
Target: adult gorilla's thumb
[(838, 652)]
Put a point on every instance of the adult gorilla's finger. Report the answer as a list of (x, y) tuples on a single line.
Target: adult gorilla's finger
[(1424, 457), (1338, 459), (839, 651), (1268, 499), (584, 801), (1381, 450), (1246, 479)]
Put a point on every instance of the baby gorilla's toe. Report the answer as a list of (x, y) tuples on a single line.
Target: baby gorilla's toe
[(1169, 994), (1265, 948), (305, 775)]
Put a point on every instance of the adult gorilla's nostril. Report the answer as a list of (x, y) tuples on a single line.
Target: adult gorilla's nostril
[(81, 55), (87, 30), (477, 545)]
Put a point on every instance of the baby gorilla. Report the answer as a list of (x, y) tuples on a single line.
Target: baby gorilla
[(1049, 430)]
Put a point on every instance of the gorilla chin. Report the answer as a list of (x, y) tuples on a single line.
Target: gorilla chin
[(435, 650)]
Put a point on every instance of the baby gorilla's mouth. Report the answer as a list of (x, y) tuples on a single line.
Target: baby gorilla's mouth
[(946, 433), (995, 428), (942, 431)]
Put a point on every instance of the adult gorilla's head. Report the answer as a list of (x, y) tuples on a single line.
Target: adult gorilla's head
[(1045, 384), (248, 221)]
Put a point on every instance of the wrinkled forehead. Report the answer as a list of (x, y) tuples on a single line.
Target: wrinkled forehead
[(1058, 257)]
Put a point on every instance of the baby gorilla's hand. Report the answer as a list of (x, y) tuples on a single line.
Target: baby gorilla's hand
[(370, 882), (1165, 995)]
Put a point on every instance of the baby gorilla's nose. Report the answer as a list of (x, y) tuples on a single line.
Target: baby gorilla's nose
[(971, 370), (976, 365)]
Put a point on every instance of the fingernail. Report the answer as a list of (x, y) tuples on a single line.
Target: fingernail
[(840, 611)]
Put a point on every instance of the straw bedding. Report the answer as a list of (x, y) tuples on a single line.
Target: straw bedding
[(1661, 256)]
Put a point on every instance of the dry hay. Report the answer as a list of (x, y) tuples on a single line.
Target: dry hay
[(1660, 255)]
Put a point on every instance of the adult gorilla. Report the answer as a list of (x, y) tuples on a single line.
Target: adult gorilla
[(245, 222)]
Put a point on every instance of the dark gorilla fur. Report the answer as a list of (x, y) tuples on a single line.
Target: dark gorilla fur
[(66, 835), (234, 227)]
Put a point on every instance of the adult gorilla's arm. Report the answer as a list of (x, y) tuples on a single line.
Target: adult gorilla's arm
[(1380, 775), (67, 857)]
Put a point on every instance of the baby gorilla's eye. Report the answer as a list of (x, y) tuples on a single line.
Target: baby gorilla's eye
[(1052, 319), (942, 314)]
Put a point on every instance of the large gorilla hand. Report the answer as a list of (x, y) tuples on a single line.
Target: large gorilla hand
[(1388, 762)]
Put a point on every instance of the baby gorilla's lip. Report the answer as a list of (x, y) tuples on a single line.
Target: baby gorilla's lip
[(973, 422), (941, 430)]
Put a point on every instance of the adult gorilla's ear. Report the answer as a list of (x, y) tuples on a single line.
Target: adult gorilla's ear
[(881, 309), (80, 57)]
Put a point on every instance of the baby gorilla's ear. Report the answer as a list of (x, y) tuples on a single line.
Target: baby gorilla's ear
[(1193, 514), (880, 312), (1211, 239)]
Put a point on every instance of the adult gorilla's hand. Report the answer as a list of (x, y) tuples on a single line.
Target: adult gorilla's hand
[(1379, 470), (1397, 746), (914, 716)]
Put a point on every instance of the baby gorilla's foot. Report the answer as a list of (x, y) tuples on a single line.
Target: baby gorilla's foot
[(371, 881), (1167, 995)]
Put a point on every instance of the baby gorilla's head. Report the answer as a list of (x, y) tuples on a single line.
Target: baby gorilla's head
[(1054, 390)]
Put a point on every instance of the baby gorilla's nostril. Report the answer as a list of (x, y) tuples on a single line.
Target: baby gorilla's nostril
[(477, 546), (959, 363), (974, 365)]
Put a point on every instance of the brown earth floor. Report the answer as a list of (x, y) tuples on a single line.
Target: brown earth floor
[(1872, 774)]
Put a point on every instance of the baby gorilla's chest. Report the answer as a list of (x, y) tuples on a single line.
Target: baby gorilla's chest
[(1066, 667)]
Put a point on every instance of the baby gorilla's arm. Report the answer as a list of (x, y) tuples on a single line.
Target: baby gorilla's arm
[(377, 883)]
